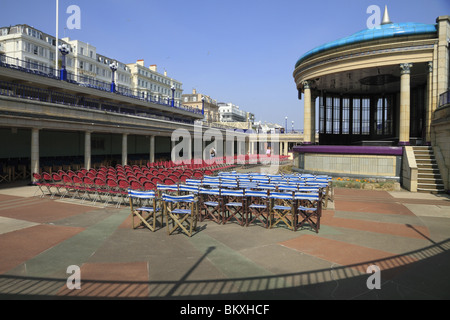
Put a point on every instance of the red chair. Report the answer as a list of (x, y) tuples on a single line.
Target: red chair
[(169, 181), (198, 174), (89, 188), (135, 185), (156, 180), (49, 183), (183, 178), (101, 189), (149, 186), (39, 181), (115, 190)]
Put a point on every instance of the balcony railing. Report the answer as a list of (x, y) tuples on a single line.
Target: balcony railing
[(87, 81), (45, 95), (444, 99)]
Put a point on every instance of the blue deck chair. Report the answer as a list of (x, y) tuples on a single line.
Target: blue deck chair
[(309, 209), (282, 209), (234, 206), (257, 207), (144, 206), (181, 213), (210, 204)]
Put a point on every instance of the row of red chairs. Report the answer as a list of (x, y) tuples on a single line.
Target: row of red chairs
[(83, 183)]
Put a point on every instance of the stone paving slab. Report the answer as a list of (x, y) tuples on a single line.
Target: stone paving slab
[(407, 236)]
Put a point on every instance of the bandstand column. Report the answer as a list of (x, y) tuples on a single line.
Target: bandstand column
[(87, 150), (307, 113), (404, 104), (152, 149), (313, 118), (124, 149), (34, 152)]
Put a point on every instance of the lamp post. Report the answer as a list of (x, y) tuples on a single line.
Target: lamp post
[(173, 94), (292, 125), (64, 51), (285, 126), (203, 105), (113, 68)]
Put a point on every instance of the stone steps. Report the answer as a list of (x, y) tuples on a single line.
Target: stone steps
[(428, 176)]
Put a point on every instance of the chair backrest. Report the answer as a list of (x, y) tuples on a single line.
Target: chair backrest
[(229, 185), (37, 176), (99, 182), (287, 187), (141, 194), (165, 187), (135, 185), (111, 182), (308, 189), (256, 193), (281, 195), (215, 192), (266, 186), (312, 196), (149, 185), (188, 188), (173, 198), (233, 193), (193, 181), (123, 183)]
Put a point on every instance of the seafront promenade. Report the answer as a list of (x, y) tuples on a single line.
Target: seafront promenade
[(406, 235)]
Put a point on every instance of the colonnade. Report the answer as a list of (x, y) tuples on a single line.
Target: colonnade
[(250, 144)]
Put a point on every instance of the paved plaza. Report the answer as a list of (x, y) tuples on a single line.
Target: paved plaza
[(406, 235)]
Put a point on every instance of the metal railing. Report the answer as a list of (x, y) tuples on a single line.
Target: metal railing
[(45, 95), (444, 99), (90, 82)]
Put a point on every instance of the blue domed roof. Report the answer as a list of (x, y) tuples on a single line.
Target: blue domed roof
[(381, 32)]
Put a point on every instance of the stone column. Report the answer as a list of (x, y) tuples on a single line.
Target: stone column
[(313, 118), (307, 113), (152, 149), (405, 92), (87, 150), (124, 149), (34, 152)]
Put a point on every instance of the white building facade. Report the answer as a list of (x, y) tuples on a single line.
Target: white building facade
[(32, 49)]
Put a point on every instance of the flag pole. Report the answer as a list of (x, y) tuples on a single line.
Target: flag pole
[(57, 35)]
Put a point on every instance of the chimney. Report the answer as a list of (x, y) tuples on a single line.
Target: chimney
[(194, 91), (140, 62), (153, 67)]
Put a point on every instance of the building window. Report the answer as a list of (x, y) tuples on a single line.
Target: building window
[(365, 116), (356, 116)]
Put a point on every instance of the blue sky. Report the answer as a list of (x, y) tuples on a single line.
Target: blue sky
[(239, 51)]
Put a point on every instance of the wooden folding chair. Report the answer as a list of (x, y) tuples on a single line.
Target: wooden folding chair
[(282, 209), (181, 213), (257, 207), (234, 206), (308, 209), (210, 205), (144, 206)]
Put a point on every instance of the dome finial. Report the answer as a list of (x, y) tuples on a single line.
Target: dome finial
[(386, 19)]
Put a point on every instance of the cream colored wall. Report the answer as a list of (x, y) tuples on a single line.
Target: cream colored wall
[(409, 169), (440, 140), (342, 164)]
